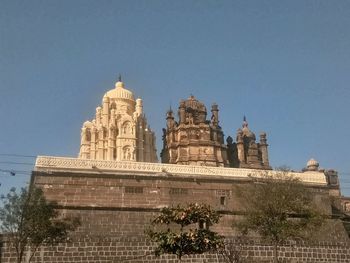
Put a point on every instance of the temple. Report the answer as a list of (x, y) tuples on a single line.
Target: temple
[(194, 140), (117, 197), (119, 131), (246, 152)]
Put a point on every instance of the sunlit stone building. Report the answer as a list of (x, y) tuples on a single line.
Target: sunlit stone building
[(119, 130), (116, 186), (195, 139)]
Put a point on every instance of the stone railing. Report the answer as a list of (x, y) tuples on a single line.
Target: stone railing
[(49, 163)]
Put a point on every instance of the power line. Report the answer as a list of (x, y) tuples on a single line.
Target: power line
[(17, 155), (9, 162), (15, 172)]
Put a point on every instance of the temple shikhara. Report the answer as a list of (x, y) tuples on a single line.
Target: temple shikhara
[(116, 185), (196, 140), (119, 131), (246, 152)]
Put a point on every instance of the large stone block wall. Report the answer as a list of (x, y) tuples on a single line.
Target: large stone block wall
[(138, 191), (116, 209)]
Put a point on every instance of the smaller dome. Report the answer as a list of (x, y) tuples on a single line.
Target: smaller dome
[(246, 132), (194, 104), (249, 134), (119, 84), (120, 92), (312, 165), (87, 124)]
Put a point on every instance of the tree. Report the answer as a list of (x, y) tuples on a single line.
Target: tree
[(178, 237), (31, 221), (233, 250), (279, 208)]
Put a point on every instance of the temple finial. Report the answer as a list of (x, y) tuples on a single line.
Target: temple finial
[(245, 123), (120, 78)]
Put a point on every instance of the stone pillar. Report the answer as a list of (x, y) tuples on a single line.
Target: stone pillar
[(119, 144), (215, 115), (119, 150), (154, 149), (140, 141), (147, 146), (170, 119), (182, 113), (85, 144), (93, 144), (139, 107), (98, 116), (112, 119), (105, 111), (240, 146), (111, 143), (263, 149), (150, 146), (100, 143)]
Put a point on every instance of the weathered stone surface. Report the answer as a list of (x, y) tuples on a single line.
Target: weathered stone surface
[(116, 208), (245, 152), (194, 140)]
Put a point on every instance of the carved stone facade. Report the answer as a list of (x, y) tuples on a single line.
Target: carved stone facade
[(197, 141), (119, 131), (194, 140), (246, 152)]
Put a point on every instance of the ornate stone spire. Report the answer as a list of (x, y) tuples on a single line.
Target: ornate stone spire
[(245, 123), (246, 152), (119, 131), (194, 140)]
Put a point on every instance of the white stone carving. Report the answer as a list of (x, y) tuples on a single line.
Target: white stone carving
[(113, 130), (49, 163)]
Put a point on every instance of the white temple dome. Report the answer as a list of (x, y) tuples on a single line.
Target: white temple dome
[(312, 165), (120, 92), (119, 131)]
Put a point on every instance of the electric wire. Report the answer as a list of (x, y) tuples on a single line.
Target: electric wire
[(17, 155), (10, 162)]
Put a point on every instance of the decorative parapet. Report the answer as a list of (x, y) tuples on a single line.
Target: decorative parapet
[(49, 163)]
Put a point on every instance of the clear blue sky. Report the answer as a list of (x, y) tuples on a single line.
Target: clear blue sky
[(283, 64)]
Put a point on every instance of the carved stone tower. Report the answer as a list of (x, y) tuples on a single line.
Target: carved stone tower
[(245, 152), (119, 131), (194, 140)]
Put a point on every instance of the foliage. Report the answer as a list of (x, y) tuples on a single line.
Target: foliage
[(187, 241), (233, 250), (31, 221), (279, 208)]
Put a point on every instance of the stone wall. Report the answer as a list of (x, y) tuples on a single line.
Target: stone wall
[(115, 210), (139, 250), (104, 190)]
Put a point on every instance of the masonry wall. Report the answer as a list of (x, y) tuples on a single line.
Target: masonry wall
[(138, 249), (115, 210), (144, 191)]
